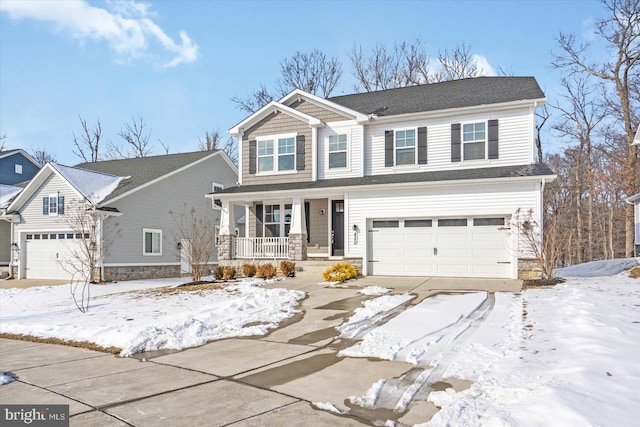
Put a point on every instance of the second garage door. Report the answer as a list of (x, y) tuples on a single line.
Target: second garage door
[(450, 247)]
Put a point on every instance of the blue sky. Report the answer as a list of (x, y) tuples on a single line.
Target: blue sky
[(177, 64)]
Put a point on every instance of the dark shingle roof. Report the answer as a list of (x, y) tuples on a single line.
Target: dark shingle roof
[(538, 169), (142, 169), (442, 96)]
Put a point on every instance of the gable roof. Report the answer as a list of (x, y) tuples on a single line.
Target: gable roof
[(7, 153), (94, 186), (142, 171), (7, 193), (523, 171), (443, 96)]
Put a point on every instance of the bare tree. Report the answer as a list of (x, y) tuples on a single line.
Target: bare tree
[(86, 251), (312, 72), (42, 156), (542, 115), (213, 141), (87, 145), (197, 237), (136, 140), (165, 148), (456, 64), (620, 33), (3, 139)]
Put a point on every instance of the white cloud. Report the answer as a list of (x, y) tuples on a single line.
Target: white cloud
[(126, 26), (483, 66)]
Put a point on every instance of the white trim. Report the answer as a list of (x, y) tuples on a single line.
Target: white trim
[(475, 141), (325, 103), (24, 153), (275, 139), (152, 231), (314, 153), (347, 166), (55, 197), (273, 107), (415, 146)]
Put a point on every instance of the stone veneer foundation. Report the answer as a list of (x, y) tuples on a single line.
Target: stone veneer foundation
[(528, 269), (141, 272)]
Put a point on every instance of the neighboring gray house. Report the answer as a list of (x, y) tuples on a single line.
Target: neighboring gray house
[(17, 166), (635, 200), (7, 194), (133, 197)]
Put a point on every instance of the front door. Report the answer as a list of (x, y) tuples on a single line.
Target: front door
[(337, 228)]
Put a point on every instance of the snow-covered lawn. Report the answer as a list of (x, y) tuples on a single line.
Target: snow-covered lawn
[(565, 356), (136, 316)]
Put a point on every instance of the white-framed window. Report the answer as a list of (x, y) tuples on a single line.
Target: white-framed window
[(338, 151), (405, 147), (277, 220), (276, 154), (151, 242), (18, 169), (53, 205), (216, 188), (474, 141)]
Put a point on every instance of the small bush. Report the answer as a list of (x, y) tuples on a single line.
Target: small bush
[(266, 271), (634, 273), (340, 272), (288, 268), (248, 270), (229, 272), (218, 272)]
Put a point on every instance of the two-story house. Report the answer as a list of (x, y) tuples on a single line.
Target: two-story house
[(419, 181)]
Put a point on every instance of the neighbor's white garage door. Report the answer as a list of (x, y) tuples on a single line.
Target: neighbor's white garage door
[(41, 252), (451, 247)]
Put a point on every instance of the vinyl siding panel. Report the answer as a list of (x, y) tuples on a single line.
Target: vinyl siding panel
[(515, 142), (8, 167), (318, 112), (435, 202), (354, 150), (150, 207), (275, 124), (5, 243), (319, 224)]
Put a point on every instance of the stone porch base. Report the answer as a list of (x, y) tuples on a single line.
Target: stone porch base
[(141, 272)]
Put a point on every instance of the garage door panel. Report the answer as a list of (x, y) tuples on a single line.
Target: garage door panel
[(43, 258)]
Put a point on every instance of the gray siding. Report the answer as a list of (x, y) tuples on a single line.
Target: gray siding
[(8, 167), (149, 208), (5, 243)]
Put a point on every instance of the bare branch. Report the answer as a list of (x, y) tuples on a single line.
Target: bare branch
[(87, 145), (42, 156), (213, 141)]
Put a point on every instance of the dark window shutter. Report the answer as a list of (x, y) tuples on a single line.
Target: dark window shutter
[(300, 152), (422, 146), (388, 148), (493, 139), (45, 206), (307, 219), (253, 156), (259, 209), (455, 142), (61, 205)]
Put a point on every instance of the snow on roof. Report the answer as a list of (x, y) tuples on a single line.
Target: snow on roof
[(94, 186), (7, 193)]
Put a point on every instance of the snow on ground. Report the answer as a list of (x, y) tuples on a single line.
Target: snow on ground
[(608, 267), (135, 317), (374, 290), (364, 316), (5, 378), (543, 357)]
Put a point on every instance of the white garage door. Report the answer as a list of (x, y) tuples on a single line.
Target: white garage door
[(451, 247), (42, 252)]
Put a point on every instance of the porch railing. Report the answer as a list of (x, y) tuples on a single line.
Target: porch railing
[(261, 247)]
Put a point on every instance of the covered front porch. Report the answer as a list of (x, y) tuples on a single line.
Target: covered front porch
[(293, 228)]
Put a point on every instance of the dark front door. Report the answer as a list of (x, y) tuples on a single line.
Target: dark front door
[(337, 227)]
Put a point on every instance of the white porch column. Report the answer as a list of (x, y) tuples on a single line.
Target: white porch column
[(298, 231), (227, 231)]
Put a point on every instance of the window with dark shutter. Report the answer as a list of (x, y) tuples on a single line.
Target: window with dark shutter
[(455, 142), (252, 156), (388, 148), (45, 206), (422, 146), (300, 152), (61, 205), (493, 139)]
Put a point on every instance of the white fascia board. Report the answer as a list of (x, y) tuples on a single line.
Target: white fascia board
[(322, 192), (24, 153), (633, 198), (35, 183), (270, 108), (107, 201), (322, 102), (636, 140), (458, 111)]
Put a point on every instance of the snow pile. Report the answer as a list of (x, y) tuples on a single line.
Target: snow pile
[(607, 267), (373, 311), (326, 406), (153, 320), (374, 290), (6, 378)]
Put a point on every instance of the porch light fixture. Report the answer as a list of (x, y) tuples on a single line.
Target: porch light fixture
[(322, 211), (179, 245)]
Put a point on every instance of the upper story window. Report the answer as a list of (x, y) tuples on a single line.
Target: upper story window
[(53, 205), (152, 241), (405, 147), (474, 141), (216, 188), (337, 151), (18, 169), (277, 155)]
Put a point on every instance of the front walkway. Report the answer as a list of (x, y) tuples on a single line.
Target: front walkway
[(268, 380)]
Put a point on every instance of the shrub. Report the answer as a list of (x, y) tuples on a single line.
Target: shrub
[(229, 272), (266, 271), (340, 272), (288, 268), (248, 270), (218, 272), (634, 273)]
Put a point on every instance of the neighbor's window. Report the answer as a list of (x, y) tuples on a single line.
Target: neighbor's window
[(337, 151), (405, 147), (152, 241), (474, 141), (18, 169), (217, 203)]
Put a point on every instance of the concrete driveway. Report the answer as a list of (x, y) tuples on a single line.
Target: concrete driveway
[(271, 380)]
